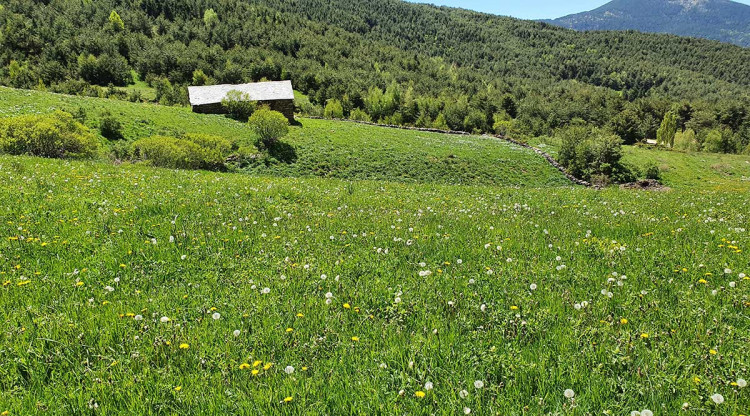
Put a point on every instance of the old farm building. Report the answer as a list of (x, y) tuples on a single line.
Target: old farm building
[(278, 95)]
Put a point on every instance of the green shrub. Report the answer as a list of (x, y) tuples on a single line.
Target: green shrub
[(269, 126), (359, 115), (653, 172), (110, 127), (238, 105), (587, 152), (171, 152), (56, 135), (334, 109), (686, 141)]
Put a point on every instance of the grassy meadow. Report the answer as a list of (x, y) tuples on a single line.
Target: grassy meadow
[(320, 147), (132, 290)]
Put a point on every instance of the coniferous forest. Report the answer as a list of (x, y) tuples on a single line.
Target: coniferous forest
[(389, 61)]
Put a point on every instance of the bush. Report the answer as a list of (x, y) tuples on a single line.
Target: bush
[(686, 141), (653, 172), (269, 126), (334, 109), (57, 135), (238, 105), (359, 115), (110, 127), (587, 152), (190, 152)]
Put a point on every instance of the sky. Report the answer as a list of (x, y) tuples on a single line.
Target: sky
[(526, 9)]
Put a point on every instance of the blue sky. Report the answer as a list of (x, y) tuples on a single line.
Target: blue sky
[(526, 9)]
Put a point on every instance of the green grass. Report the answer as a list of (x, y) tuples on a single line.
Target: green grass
[(324, 148), (680, 169), (85, 247)]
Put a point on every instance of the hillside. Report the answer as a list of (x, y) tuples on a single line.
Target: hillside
[(722, 20), (397, 62), (321, 147)]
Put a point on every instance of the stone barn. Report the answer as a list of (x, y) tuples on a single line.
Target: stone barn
[(278, 95)]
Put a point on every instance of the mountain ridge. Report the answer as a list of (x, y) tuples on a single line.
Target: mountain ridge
[(722, 20)]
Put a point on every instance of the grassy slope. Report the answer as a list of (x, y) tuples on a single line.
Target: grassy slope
[(325, 148), (684, 170), (71, 229)]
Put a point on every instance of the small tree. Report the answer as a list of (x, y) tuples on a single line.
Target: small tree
[(210, 18), (115, 22), (200, 78), (269, 125), (333, 109), (110, 127), (238, 105), (665, 134)]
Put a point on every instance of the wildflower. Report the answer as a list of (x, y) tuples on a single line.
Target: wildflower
[(623, 321), (355, 339), (289, 369), (713, 351), (236, 333), (644, 335), (265, 290), (267, 366), (647, 412), (289, 330), (717, 398), (178, 388), (257, 363), (463, 394), (741, 383), (216, 316), (139, 317), (420, 394), (569, 394), (533, 286), (287, 399), (255, 372), (478, 384), (184, 346), (428, 386), (514, 308), (467, 410), (347, 306), (244, 366), (635, 413), (164, 319)]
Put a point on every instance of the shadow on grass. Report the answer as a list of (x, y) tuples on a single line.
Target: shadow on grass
[(283, 152)]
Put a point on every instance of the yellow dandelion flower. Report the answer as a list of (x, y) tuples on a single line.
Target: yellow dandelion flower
[(347, 306), (257, 363), (702, 281), (644, 335), (24, 282), (355, 339), (287, 399), (514, 308), (420, 394), (623, 321), (267, 366), (184, 346), (289, 330), (244, 366), (178, 388), (255, 372), (713, 351), (79, 284), (299, 315)]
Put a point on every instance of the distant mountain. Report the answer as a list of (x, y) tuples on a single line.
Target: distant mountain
[(721, 20)]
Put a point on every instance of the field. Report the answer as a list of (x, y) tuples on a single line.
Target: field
[(133, 290), (322, 148)]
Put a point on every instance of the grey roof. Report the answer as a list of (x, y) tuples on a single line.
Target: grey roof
[(258, 91)]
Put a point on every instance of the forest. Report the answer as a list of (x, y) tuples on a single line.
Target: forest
[(392, 62)]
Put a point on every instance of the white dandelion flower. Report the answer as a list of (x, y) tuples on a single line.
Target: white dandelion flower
[(647, 412), (289, 369), (533, 286), (741, 383), (266, 290), (216, 316), (236, 333), (467, 411), (478, 384), (428, 386), (569, 394), (463, 394), (717, 398), (164, 319)]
